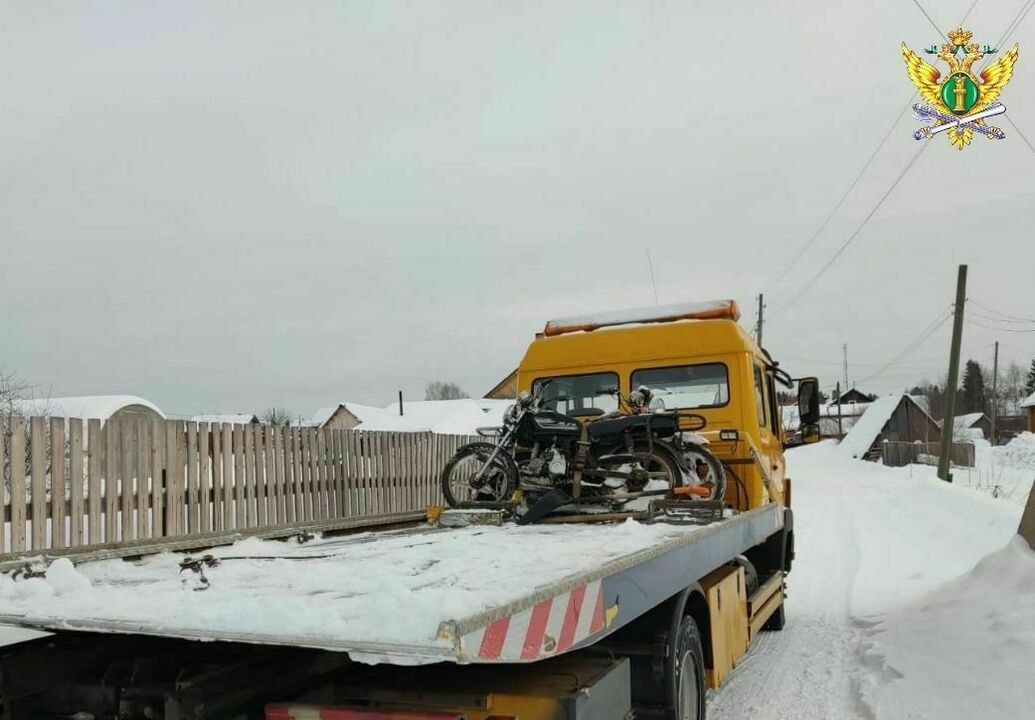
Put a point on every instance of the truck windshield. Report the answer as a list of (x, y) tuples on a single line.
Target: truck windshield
[(686, 386), (579, 394)]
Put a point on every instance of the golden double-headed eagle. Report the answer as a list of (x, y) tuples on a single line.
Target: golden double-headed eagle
[(989, 82)]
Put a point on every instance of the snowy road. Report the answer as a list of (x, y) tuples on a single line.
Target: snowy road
[(870, 541)]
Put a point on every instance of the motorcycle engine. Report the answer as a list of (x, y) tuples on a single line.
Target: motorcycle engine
[(556, 463)]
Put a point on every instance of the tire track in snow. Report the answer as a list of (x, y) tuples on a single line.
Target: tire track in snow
[(808, 670)]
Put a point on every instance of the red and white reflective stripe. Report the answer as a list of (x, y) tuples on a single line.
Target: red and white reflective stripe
[(329, 712), (549, 627)]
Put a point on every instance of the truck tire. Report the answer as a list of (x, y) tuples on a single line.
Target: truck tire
[(688, 691), (499, 488), (777, 620)]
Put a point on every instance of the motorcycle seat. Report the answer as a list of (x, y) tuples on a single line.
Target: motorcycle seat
[(663, 425)]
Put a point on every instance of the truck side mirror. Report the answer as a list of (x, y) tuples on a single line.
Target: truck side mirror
[(810, 433), (808, 400)]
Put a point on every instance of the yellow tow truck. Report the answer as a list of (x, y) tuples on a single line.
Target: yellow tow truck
[(641, 633)]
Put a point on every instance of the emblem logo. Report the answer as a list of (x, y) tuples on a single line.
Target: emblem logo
[(959, 104)]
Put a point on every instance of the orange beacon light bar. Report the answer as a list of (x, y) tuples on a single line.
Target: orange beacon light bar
[(705, 310)]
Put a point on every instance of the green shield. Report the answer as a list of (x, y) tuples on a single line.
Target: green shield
[(960, 93)]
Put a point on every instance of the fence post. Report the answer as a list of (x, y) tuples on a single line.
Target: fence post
[(3, 484), (38, 482), (95, 450), (57, 482), (17, 463)]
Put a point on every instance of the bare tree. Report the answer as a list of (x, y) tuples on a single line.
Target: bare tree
[(278, 417), (1012, 389), (19, 398), (439, 390), (13, 394)]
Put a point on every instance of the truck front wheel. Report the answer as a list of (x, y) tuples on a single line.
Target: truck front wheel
[(688, 672)]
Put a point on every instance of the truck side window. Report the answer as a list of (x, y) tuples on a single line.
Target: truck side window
[(759, 397), (774, 405)]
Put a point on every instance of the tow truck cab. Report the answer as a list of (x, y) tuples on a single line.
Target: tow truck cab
[(709, 367)]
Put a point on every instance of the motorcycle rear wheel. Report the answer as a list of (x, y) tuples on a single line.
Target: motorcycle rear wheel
[(497, 484), (659, 459)]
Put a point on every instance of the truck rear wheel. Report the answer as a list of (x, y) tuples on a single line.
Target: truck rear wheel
[(688, 672)]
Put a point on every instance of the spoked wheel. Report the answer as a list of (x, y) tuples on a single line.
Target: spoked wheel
[(706, 469), (661, 465), (469, 476)]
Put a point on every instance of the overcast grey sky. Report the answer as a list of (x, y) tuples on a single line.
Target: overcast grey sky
[(224, 206)]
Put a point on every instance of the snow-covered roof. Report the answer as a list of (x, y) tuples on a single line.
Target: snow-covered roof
[(448, 417), (923, 401), (234, 418), (791, 420), (361, 412), (86, 407), (1029, 401), (868, 427), (967, 420)]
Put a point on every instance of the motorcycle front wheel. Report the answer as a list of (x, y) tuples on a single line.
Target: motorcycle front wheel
[(469, 477)]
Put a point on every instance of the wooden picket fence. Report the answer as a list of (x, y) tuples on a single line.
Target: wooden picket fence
[(70, 483)]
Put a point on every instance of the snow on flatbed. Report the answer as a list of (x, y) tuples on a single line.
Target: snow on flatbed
[(364, 593)]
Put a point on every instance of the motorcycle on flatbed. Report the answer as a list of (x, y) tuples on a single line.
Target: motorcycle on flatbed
[(547, 460)]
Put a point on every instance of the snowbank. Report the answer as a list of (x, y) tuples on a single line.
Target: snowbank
[(1004, 472), (964, 651), (1019, 452)]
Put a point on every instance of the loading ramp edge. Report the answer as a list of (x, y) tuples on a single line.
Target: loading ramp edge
[(434, 653), (457, 628), (627, 586)]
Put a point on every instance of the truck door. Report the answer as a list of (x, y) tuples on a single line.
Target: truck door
[(770, 442)]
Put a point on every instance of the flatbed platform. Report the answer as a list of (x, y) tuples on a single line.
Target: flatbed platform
[(479, 594)]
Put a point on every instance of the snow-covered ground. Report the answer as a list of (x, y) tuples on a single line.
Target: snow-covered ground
[(887, 615)]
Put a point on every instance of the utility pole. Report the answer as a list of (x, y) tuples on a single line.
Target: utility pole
[(400, 403), (840, 427), (948, 420), (844, 350), (761, 311), (995, 385)]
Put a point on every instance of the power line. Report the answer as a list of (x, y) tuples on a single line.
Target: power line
[(996, 312), (1017, 20), (931, 20), (1000, 320), (1019, 132), (855, 182), (943, 316), (989, 327), (859, 176), (851, 238), (917, 364)]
